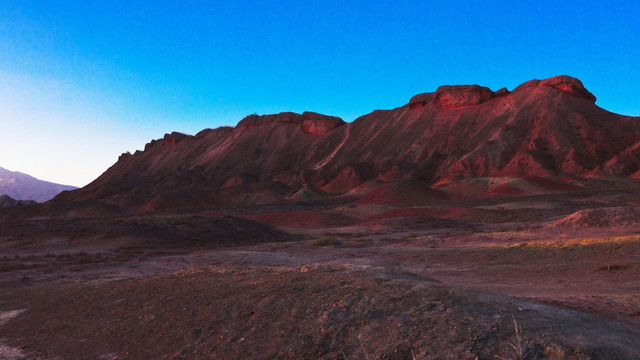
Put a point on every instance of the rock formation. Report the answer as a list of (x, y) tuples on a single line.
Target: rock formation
[(542, 128)]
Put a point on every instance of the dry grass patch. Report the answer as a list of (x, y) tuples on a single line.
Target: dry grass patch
[(568, 243)]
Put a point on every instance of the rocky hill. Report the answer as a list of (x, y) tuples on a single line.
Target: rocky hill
[(548, 128)]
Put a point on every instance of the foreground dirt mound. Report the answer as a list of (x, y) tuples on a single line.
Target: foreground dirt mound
[(160, 230), (299, 313), (599, 218)]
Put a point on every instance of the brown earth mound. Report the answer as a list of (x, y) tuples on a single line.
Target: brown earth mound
[(599, 218), (529, 186), (402, 192), (450, 213), (146, 232)]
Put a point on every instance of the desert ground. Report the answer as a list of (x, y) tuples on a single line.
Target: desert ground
[(541, 276)]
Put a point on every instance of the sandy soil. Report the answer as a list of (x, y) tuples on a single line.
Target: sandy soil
[(486, 279)]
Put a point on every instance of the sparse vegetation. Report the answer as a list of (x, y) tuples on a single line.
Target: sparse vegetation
[(612, 242), (326, 241), (517, 345)]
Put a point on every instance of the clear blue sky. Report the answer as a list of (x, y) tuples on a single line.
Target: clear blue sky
[(83, 81)]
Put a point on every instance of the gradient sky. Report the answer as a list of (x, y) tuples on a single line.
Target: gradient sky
[(83, 81)]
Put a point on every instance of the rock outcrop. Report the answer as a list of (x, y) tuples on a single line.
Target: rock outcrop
[(310, 122), (569, 85), (453, 97), (318, 124)]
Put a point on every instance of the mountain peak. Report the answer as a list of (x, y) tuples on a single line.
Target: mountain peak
[(569, 85), (564, 83), (20, 186), (460, 96)]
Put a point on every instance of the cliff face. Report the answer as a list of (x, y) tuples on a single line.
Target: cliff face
[(541, 128)]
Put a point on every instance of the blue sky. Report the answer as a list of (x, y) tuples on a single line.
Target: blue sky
[(82, 82)]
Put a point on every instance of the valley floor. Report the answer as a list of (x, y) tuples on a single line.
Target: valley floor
[(508, 278)]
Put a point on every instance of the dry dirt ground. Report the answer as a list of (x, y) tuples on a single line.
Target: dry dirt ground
[(501, 278)]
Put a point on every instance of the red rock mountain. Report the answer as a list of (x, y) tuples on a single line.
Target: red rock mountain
[(543, 128)]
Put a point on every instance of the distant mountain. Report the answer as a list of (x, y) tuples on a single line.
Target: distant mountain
[(542, 129), (21, 186), (8, 201)]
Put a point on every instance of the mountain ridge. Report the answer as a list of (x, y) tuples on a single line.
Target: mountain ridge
[(546, 128), (21, 186)]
